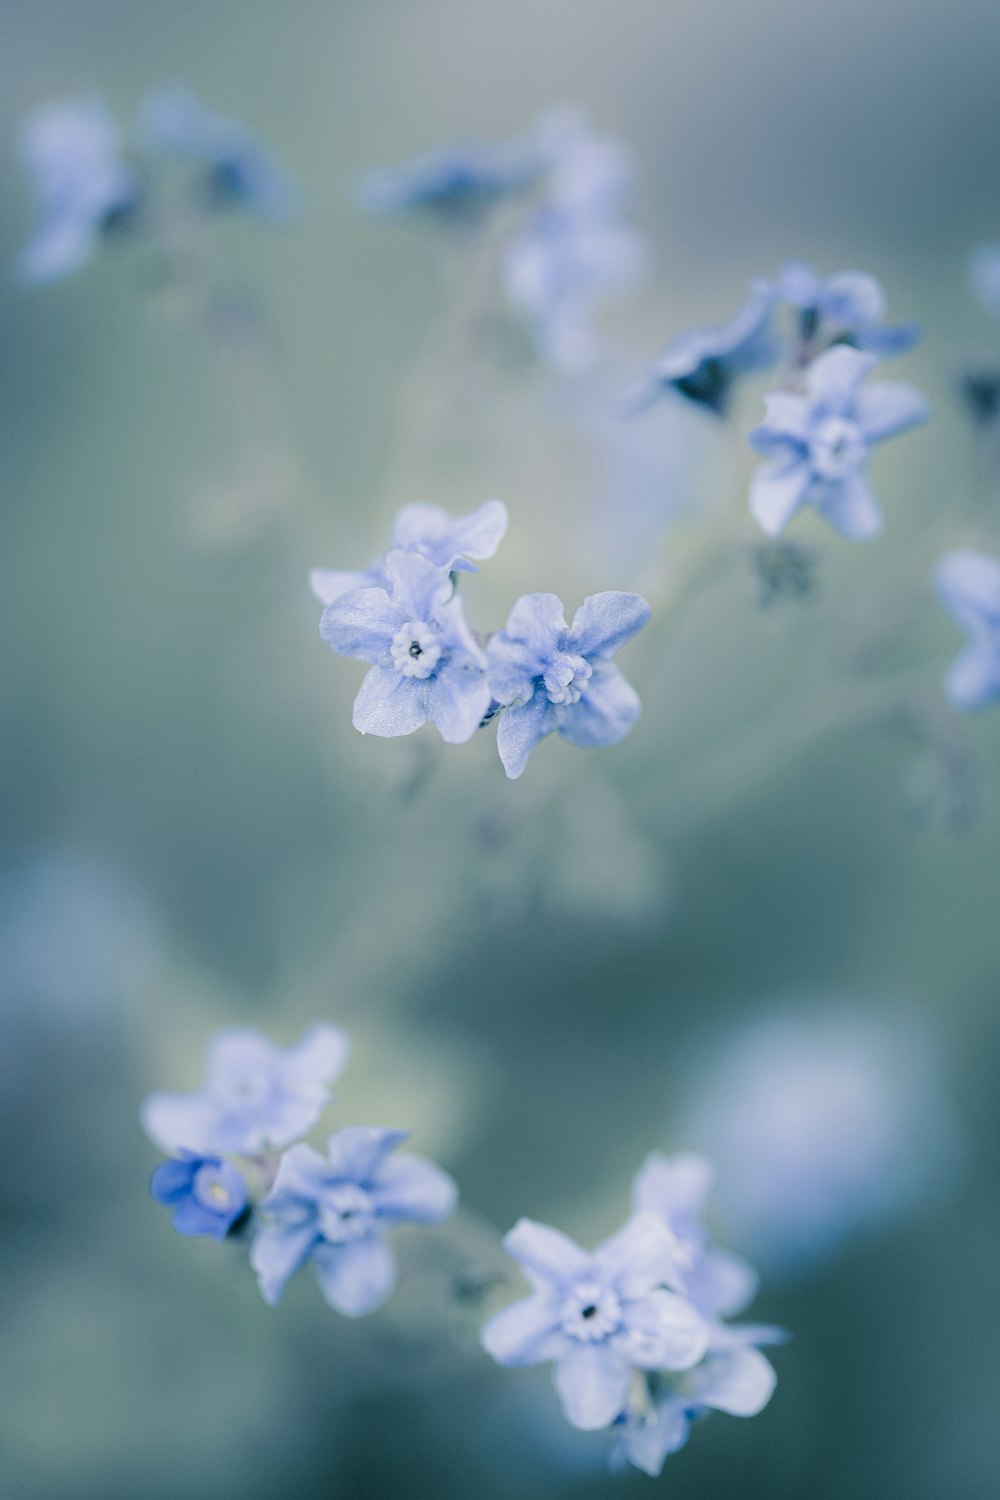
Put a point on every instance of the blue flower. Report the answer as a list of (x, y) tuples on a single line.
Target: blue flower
[(207, 1194), (984, 277), (256, 1095), (335, 1212), (704, 365), (557, 679), (845, 308), (69, 153), (427, 530), (598, 1318), (425, 664), (820, 441), (241, 172), (457, 184), (968, 585)]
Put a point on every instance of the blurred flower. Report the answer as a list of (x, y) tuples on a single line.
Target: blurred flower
[(70, 156), (335, 1212), (600, 1317), (256, 1095), (824, 1124), (425, 664), (430, 532), (241, 172), (984, 277), (968, 585), (554, 678), (457, 184), (207, 1194), (845, 308), (820, 442), (704, 365)]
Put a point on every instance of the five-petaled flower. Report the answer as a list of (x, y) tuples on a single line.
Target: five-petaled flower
[(426, 665), (819, 442), (207, 1194), (554, 678), (334, 1212), (256, 1095), (968, 585), (598, 1317), (847, 307)]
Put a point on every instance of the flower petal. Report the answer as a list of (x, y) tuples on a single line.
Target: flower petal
[(418, 587), (662, 1332), (193, 1218), (833, 379), (411, 1188), (357, 1276), (592, 1381), (968, 585), (776, 492), (526, 1333), (519, 730), (605, 713), (329, 584), (648, 1443), (546, 1256), (738, 1381), (172, 1180), (175, 1121), (850, 507), (277, 1252), (357, 1153), (457, 698), (604, 622), (973, 679), (519, 653), (317, 1058), (675, 1187), (362, 624), (389, 704), (887, 407), (444, 539), (642, 1255)]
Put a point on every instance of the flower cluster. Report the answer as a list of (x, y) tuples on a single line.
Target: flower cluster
[(332, 1212), (535, 677), (635, 1330)]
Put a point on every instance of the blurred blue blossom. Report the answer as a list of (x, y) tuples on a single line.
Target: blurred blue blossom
[(554, 678), (425, 664), (968, 585), (704, 365), (207, 1194), (847, 307), (334, 1212), (820, 441), (457, 184), (82, 186), (448, 542), (241, 172), (256, 1095), (598, 1317), (984, 277)]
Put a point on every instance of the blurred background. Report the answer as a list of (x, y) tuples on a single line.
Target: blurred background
[(782, 887)]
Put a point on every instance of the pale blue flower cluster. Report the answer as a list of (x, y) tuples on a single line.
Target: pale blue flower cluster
[(332, 1212), (635, 1331), (537, 676)]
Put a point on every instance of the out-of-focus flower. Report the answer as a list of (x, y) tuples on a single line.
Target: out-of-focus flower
[(335, 1211), (819, 443), (82, 186), (984, 277), (256, 1095), (847, 307), (577, 248), (823, 1124), (554, 678), (704, 365), (241, 172), (598, 1317), (207, 1194), (449, 542), (456, 184), (425, 664), (968, 585)]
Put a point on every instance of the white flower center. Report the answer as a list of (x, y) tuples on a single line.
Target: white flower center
[(345, 1213), (591, 1313), (566, 678), (836, 447), (210, 1190), (415, 649)]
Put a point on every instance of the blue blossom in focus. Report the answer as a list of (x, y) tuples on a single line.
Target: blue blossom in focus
[(984, 277), (449, 542), (255, 1096), (968, 585), (241, 172), (335, 1211), (819, 443), (553, 678), (207, 1194), (577, 247), (844, 308), (457, 184), (704, 365), (599, 1318), (82, 186), (426, 666)]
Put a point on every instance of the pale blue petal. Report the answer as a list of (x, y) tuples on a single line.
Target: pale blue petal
[(389, 704), (457, 698), (833, 379), (852, 299), (356, 1277), (520, 652), (605, 713), (887, 407), (172, 1180), (357, 1152), (777, 491), (675, 1187), (968, 585), (973, 679), (277, 1253), (604, 622), (193, 1218), (798, 284), (640, 1256), (60, 246), (418, 587), (648, 1443), (445, 540), (546, 1256), (329, 584), (726, 1283), (886, 341), (738, 1381), (413, 1189), (526, 1333), (519, 730), (300, 1176), (593, 1383), (176, 1121), (850, 507), (662, 1332), (362, 624), (317, 1058), (786, 425)]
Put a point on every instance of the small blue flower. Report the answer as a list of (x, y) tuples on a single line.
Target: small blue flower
[(425, 664), (207, 1194), (820, 441), (334, 1212), (428, 531), (968, 585), (241, 172), (256, 1095), (457, 184), (984, 277), (554, 678), (83, 188), (845, 308), (599, 1318), (704, 365)]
